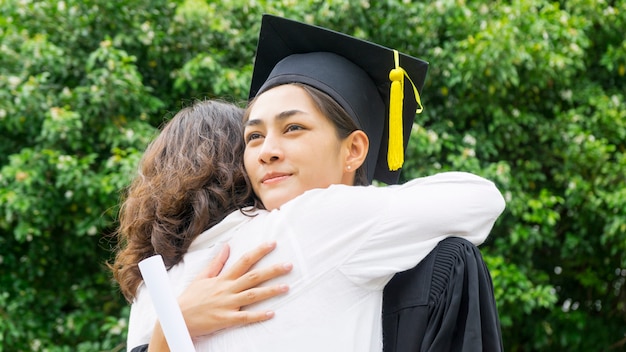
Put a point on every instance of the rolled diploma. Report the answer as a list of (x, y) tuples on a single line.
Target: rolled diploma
[(165, 304)]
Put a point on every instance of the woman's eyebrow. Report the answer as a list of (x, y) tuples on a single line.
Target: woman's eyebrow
[(283, 115)]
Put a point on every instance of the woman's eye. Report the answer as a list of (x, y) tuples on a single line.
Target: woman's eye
[(252, 136), (292, 128)]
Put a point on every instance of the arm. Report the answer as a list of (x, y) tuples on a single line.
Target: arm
[(450, 203), (213, 302), (374, 232)]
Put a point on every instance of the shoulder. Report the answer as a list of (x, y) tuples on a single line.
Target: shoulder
[(218, 232)]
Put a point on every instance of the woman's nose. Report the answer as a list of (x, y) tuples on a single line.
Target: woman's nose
[(271, 150)]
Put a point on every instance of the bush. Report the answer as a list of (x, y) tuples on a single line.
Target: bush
[(528, 93)]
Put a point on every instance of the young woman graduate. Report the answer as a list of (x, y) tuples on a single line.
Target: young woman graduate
[(446, 303), (322, 104)]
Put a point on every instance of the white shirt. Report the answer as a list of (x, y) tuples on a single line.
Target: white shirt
[(345, 243)]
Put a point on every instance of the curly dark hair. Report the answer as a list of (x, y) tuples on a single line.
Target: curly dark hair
[(190, 178)]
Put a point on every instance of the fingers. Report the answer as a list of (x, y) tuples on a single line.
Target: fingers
[(258, 276), (244, 317), (248, 260), (217, 264), (255, 295)]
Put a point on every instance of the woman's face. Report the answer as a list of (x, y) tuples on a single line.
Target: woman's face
[(291, 147)]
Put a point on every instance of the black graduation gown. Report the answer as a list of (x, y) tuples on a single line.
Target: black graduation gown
[(445, 303)]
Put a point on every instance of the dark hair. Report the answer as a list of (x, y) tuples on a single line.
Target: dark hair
[(344, 125), (189, 179)]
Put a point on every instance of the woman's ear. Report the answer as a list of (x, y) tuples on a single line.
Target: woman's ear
[(357, 145)]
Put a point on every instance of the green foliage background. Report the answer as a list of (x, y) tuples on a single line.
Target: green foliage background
[(528, 93)]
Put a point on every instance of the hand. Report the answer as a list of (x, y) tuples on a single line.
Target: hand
[(213, 301)]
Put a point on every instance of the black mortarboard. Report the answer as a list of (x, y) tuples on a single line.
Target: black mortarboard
[(355, 73)]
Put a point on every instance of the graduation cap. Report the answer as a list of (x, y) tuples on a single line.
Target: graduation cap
[(366, 79)]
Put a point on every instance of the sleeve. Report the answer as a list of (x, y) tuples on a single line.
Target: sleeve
[(376, 232), (143, 315), (142, 319), (446, 303)]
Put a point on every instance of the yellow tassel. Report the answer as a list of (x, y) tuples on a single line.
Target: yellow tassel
[(395, 150)]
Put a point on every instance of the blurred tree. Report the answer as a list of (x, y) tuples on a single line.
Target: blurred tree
[(528, 93)]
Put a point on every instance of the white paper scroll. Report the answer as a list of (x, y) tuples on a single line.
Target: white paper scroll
[(165, 304)]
